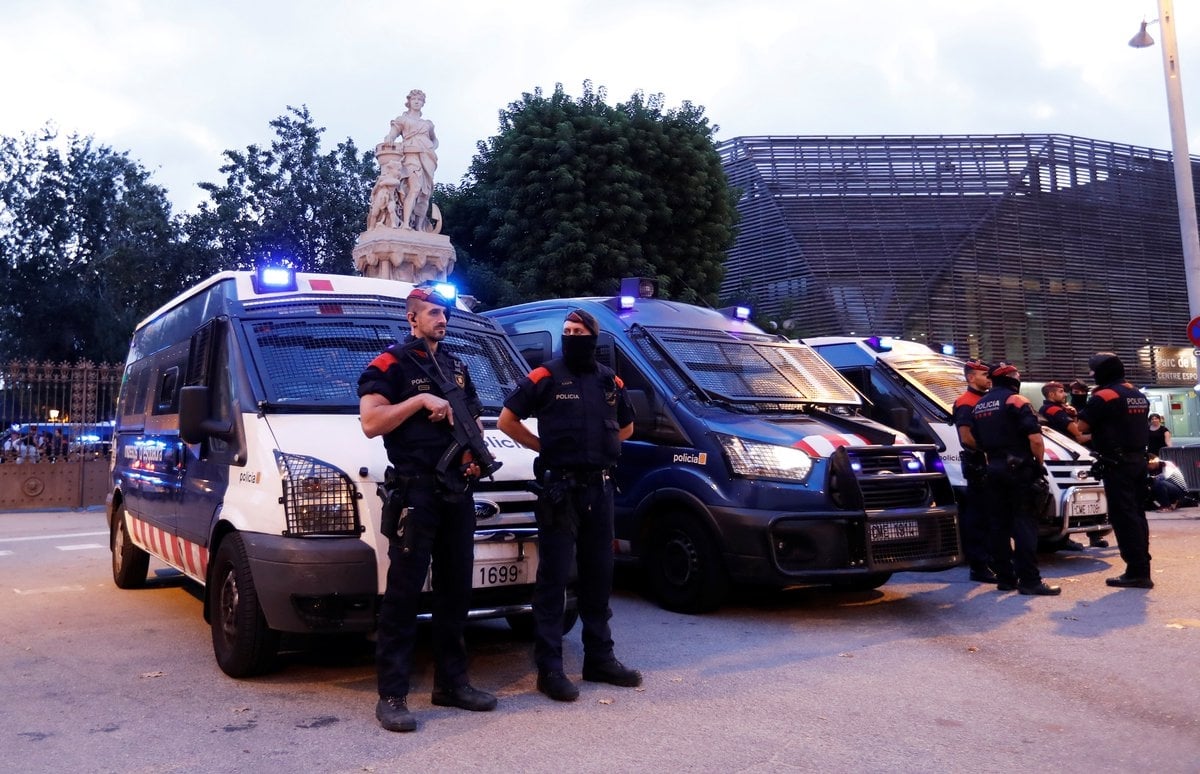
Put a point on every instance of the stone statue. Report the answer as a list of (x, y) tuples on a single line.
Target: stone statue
[(418, 149)]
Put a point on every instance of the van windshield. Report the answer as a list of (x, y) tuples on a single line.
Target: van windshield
[(317, 362), (754, 369), (938, 377)]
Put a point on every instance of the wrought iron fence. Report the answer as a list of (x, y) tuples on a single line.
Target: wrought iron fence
[(57, 423)]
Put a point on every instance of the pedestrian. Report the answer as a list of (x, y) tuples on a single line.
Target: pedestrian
[(1168, 487), (583, 414), (400, 399), (1160, 434), (1060, 415), (1116, 416), (972, 508), (1006, 429)]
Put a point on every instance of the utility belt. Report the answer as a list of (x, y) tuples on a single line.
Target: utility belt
[(1009, 458), (579, 476)]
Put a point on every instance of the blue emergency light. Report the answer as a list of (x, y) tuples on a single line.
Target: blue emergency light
[(445, 290), (736, 312), (274, 279), (947, 349)]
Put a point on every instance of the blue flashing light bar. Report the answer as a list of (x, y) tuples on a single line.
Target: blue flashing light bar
[(274, 279), (947, 349), (736, 312), (445, 290), (625, 303)]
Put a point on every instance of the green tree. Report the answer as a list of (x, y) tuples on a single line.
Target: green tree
[(87, 247), (287, 204), (573, 195)]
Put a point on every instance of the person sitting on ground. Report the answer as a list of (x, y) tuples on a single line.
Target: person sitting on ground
[(1168, 487)]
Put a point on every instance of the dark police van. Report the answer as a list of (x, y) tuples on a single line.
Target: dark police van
[(747, 463), (239, 459)]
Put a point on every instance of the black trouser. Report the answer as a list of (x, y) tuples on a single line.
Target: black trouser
[(579, 527), (1013, 523), (1125, 489), (975, 522), (438, 526)]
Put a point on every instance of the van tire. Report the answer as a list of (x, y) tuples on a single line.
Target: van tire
[(242, 642), (684, 565), (129, 563)]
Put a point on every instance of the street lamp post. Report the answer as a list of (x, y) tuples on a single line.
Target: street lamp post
[(1184, 194)]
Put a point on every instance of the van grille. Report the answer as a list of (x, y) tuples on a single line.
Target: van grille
[(878, 480), (900, 542)]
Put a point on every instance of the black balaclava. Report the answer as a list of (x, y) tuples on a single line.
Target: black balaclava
[(1107, 367), (579, 352)]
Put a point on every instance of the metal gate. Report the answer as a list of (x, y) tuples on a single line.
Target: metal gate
[(57, 433)]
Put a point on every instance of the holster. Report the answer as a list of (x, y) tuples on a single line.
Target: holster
[(392, 522), (555, 505)]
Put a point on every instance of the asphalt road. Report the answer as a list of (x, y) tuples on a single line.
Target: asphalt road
[(931, 673)]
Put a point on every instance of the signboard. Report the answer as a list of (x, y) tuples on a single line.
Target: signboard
[(1174, 366)]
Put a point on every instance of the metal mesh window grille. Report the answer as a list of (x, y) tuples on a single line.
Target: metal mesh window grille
[(745, 371), (317, 361), (318, 499)]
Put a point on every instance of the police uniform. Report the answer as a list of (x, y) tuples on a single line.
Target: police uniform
[(579, 415), (1116, 415), (1057, 417), (439, 524), (973, 509), (1002, 422)]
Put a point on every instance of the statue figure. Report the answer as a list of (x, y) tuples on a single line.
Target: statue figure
[(383, 210), (418, 147)]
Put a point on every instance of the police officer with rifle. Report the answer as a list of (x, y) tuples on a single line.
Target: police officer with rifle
[(1116, 416), (1005, 428), (583, 415), (420, 398)]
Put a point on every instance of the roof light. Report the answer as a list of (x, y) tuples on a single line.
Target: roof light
[(881, 343), (625, 303), (639, 287), (947, 349), (274, 279), (736, 312), (445, 290)]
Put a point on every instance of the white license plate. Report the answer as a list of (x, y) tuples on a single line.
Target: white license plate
[(504, 564), (502, 574), (1086, 509), (894, 530)]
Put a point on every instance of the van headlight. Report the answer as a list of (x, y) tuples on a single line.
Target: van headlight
[(754, 459), (318, 499)]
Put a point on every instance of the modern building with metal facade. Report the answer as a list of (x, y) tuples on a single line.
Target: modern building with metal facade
[(1040, 249)]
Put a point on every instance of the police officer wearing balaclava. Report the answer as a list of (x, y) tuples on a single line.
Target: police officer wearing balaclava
[(1006, 429), (582, 415), (1116, 415)]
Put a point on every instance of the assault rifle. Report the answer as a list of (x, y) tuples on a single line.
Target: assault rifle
[(469, 445)]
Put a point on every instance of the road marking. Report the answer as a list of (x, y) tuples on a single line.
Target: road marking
[(5, 553), (80, 547), (48, 590), (52, 537)]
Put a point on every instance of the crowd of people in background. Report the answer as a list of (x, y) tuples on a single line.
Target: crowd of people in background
[(34, 445)]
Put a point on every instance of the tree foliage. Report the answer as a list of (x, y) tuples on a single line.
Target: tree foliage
[(286, 204), (87, 247), (573, 195)]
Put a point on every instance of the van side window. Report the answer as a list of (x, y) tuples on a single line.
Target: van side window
[(131, 411), (168, 392), (535, 346), (652, 422)]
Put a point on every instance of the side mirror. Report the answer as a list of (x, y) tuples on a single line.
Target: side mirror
[(195, 423), (901, 417)]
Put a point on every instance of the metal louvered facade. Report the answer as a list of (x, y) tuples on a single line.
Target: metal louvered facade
[(1040, 249)]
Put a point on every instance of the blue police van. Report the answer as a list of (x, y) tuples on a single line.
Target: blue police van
[(239, 459), (748, 463)]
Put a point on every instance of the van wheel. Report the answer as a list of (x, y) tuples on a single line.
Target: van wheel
[(129, 563), (863, 582), (523, 626), (684, 566), (242, 642)]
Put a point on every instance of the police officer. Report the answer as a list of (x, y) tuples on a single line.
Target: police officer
[(399, 398), (973, 508), (1116, 415), (1006, 429), (582, 415), (1060, 415)]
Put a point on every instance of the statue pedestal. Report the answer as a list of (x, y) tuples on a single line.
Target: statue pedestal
[(403, 254)]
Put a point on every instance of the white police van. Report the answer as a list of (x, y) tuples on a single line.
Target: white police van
[(239, 459), (913, 388)]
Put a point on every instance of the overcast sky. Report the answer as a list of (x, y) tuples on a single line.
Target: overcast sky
[(177, 83)]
